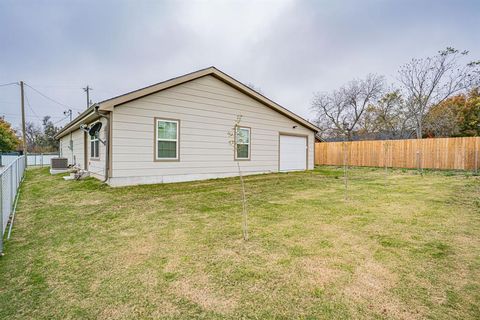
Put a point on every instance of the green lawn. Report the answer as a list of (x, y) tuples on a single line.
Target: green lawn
[(405, 247)]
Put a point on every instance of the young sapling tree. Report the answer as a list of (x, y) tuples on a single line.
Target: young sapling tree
[(345, 168), (237, 139), (385, 159)]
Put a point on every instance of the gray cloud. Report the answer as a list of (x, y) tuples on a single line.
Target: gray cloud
[(290, 49)]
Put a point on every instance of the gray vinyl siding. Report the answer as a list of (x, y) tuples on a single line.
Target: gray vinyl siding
[(207, 109), (96, 167), (75, 156)]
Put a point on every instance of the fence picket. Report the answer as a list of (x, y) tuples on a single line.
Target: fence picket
[(435, 153)]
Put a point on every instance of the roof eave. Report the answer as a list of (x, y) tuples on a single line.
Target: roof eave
[(86, 116), (262, 99), (109, 104)]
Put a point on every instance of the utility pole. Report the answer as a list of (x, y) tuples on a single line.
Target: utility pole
[(87, 90), (70, 143), (69, 113), (23, 122)]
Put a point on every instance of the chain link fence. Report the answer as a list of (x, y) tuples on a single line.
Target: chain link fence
[(11, 175)]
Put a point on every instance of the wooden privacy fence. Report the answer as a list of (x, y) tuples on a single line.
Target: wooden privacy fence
[(435, 153)]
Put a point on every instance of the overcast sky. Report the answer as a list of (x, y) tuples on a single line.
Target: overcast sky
[(288, 49)]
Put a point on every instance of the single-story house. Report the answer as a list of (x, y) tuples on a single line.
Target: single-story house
[(196, 126)]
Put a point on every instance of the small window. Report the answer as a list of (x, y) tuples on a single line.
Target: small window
[(166, 139), (242, 143), (94, 146)]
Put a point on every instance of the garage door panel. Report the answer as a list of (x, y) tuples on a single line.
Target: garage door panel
[(293, 153)]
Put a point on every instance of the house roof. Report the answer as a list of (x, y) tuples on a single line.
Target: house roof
[(109, 104)]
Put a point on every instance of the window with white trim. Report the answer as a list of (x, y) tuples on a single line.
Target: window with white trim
[(166, 139), (242, 143), (94, 146)]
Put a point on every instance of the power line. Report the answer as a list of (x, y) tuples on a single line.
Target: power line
[(72, 87), (87, 89), (33, 111), (61, 120), (8, 84), (47, 97), (9, 102), (56, 122), (30, 107), (17, 115), (68, 113)]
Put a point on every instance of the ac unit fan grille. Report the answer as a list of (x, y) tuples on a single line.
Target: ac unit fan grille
[(59, 163)]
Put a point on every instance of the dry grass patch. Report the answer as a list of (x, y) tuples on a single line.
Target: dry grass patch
[(405, 250), (319, 272), (371, 285), (198, 289)]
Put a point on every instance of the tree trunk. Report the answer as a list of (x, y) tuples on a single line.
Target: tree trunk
[(349, 135), (419, 129), (419, 153), (345, 168), (244, 205)]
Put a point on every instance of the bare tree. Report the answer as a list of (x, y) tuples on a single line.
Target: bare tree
[(390, 118), (429, 81), (33, 135), (41, 139), (340, 112), (331, 113)]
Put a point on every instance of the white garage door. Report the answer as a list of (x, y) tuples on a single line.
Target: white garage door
[(293, 153)]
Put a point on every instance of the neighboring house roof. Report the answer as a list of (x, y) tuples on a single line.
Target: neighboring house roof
[(109, 104)]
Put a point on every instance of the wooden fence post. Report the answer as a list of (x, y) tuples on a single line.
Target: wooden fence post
[(434, 153), (475, 170)]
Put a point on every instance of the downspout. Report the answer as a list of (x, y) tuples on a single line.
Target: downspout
[(106, 116)]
